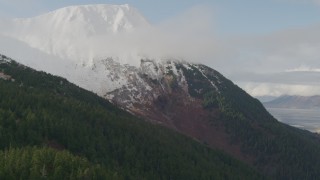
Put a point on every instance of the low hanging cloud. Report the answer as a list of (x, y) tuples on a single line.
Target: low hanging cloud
[(304, 69), (188, 36), (284, 62), (271, 89), (276, 52), (293, 78)]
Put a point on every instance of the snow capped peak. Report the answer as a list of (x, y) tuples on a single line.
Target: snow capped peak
[(95, 19), (77, 33)]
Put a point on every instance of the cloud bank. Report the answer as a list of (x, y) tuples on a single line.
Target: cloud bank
[(284, 62), (188, 36), (271, 89)]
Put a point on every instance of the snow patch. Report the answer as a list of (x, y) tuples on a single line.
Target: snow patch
[(187, 66), (212, 84)]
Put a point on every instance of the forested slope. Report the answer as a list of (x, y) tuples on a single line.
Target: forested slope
[(52, 128), (278, 150)]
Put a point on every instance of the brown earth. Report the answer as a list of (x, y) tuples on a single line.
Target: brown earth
[(187, 116)]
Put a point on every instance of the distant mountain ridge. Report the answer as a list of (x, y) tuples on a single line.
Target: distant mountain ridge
[(295, 102)]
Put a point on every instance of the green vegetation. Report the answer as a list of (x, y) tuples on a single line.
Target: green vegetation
[(50, 128), (280, 151), (47, 163), (213, 99)]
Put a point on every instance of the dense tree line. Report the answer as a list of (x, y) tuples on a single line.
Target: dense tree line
[(47, 163), (63, 122), (282, 151)]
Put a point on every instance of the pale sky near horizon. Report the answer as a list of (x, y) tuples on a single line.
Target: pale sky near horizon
[(269, 47)]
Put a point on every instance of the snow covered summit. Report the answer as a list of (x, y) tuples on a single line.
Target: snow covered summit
[(71, 32)]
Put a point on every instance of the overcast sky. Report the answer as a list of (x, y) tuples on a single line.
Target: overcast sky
[(269, 47)]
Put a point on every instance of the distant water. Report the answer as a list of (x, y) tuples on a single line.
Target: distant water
[(301, 118)]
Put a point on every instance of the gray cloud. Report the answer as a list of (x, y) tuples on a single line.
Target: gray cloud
[(293, 78), (284, 62), (271, 89), (188, 36)]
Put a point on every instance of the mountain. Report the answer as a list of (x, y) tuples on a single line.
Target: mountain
[(71, 32), (71, 42), (192, 99), (50, 128), (295, 102), (206, 107)]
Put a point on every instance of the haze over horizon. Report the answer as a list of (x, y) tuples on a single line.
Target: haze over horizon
[(268, 48)]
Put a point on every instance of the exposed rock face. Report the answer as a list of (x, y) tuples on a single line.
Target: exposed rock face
[(170, 93), (153, 85)]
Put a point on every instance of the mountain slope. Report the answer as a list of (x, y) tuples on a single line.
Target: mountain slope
[(37, 109), (295, 102), (199, 102), (69, 42)]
